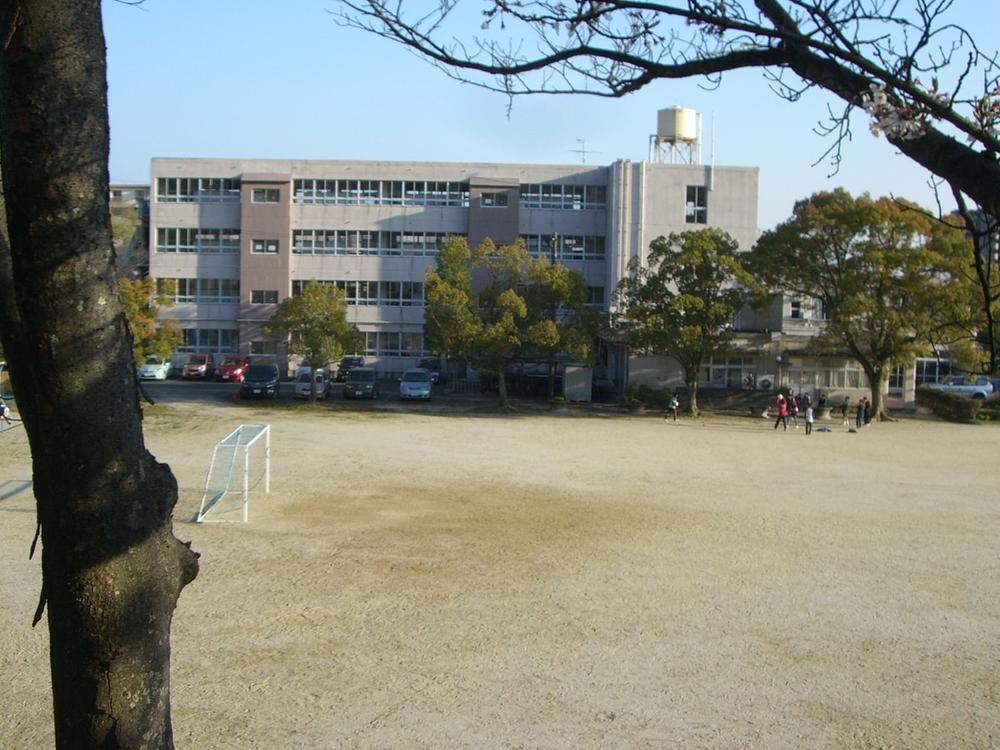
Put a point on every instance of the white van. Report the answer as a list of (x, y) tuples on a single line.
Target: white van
[(302, 377)]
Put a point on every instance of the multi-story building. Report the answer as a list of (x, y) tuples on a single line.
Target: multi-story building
[(239, 236)]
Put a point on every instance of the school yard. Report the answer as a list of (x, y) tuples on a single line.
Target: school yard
[(431, 579)]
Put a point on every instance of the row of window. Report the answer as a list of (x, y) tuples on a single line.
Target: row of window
[(388, 293), (197, 240), (197, 190), (202, 291), (365, 242), (565, 247), (376, 344), (381, 192), (211, 340), (565, 197), (354, 192)]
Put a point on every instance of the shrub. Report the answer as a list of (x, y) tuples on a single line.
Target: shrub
[(950, 406), (643, 395)]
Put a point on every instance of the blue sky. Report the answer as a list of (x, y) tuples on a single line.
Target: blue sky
[(254, 79)]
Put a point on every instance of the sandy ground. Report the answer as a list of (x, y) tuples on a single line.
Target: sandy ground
[(564, 581)]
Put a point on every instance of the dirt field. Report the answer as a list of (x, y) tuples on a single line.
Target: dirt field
[(566, 581)]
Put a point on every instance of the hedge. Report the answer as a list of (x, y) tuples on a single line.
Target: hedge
[(951, 406)]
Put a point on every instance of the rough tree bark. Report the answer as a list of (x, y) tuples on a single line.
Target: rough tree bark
[(111, 567)]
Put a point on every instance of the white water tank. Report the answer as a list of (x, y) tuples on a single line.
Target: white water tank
[(677, 125)]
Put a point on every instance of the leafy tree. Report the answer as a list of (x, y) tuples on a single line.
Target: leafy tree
[(558, 319), (923, 80), (490, 325), (450, 324), (682, 301), (112, 570), (315, 323), (141, 302), (875, 265)]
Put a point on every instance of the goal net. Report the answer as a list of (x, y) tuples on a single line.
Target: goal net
[(241, 464)]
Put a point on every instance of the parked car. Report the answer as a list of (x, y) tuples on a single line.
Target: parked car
[(415, 383), (260, 381), (967, 385), (156, 368), (302, 379), (433, 366), (346, 365), (231, 369), (199, 366), (361, 383)]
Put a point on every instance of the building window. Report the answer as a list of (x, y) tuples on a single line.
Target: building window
[(595, 296), (264, 296), (696, 210), (263, 347), (796, 309), (265, 195), (264, 247), (493, 200)]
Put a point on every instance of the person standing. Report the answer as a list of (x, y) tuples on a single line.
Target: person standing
[(793, 408), (868, 411), (859, 417), (809, 418), (5, 412), (674, 406), (844, 409), (781, 404)]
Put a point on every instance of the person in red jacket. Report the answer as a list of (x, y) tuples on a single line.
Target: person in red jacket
[(781, 404)]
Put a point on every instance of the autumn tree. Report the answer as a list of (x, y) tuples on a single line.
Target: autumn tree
[(112, 570), (315, 324), (141, 302), (681, 302), (876, 266)]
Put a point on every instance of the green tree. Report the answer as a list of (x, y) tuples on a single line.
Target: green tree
[(558, 319), (486, 323), (682, 301), (315, 323), (141, 302), (111, 568), (875, 266), (450, 324)]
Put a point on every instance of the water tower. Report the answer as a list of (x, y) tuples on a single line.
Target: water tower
[(678, 137)]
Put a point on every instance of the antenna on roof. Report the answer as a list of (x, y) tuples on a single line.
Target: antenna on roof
[(583, 150)]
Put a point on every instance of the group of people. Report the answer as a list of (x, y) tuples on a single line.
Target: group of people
[(788, 409)]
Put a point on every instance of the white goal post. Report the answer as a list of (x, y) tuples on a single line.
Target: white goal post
[(228, 477)]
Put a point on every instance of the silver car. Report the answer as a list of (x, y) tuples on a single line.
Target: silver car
[(415, 383), (156, 368)]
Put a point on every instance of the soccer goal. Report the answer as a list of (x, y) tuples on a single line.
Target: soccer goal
[(241, 462)]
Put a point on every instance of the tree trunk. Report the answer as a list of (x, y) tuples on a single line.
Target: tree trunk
[(691, 381), (878, 379), (112, 569), (502, 386)]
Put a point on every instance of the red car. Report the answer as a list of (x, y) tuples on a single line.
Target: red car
[(231, 369)]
